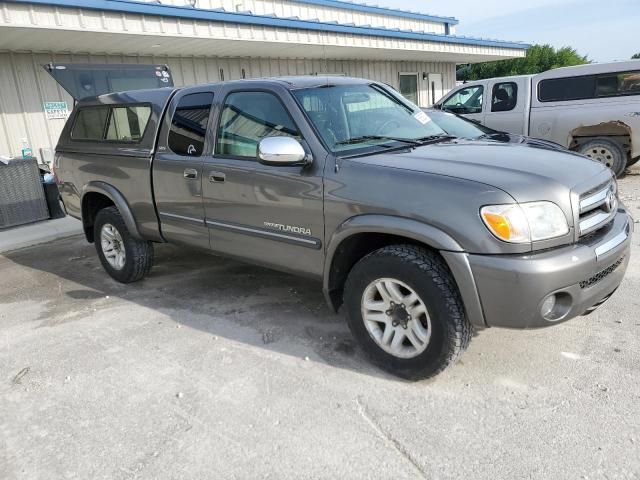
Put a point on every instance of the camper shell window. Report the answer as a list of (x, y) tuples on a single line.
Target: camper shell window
[(613, 84), (114, 123)]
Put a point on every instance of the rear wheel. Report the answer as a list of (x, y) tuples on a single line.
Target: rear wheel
[(404, 309), (124, 257), (606, 152)]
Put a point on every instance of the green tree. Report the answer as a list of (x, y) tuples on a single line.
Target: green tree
[(635, 55), (539, 58)]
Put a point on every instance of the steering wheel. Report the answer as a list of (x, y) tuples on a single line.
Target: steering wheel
[(381, 129)]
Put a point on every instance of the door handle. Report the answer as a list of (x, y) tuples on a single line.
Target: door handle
[(217, 177), (190, 173)]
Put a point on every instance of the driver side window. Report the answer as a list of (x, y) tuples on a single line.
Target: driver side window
[(467, 100), (247, 118)]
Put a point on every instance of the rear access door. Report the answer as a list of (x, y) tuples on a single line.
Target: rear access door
[(178, 166), (508, 105)]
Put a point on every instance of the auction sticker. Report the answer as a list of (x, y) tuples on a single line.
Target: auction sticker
[(422, 117)]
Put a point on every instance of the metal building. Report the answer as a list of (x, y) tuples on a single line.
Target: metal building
[(213, 40)]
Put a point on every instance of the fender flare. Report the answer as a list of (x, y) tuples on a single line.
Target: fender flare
[(119, 201), (453, 254)]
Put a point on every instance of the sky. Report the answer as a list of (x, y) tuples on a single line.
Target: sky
[(604, 30)]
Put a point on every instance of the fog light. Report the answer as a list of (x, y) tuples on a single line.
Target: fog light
[(548, 305), (556, 306)]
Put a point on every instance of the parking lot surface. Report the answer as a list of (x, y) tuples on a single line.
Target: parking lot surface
[(213, 369)]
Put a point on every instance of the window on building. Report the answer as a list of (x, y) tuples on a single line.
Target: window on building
[(189, 124), (467, 100), (585, 87), (504, 97), (409, 86), (247, 118), (90, 123), (127, 124)]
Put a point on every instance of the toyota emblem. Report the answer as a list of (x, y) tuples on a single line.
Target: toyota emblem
[(610, 201)]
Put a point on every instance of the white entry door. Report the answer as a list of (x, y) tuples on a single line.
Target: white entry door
[(435, 88)]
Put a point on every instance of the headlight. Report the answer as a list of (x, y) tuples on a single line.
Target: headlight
[(525, 222)]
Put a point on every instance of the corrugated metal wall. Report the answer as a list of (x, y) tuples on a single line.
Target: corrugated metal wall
[(25, 85), (288, 9)]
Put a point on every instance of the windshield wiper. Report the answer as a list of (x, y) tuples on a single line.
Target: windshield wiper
[(442, 137), (366, 138)]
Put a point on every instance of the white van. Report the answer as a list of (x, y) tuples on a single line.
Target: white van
[(593, 109)]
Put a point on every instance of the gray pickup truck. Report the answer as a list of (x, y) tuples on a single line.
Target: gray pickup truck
[(422, 236)]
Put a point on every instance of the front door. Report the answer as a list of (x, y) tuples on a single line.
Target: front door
[(435, 88), (177, 168), (270, 214)]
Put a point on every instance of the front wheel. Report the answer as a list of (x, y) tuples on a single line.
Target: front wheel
[(405, 311), (124, 257), (606, 152)]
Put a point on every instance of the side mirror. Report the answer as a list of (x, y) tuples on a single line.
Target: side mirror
[(282, 151)]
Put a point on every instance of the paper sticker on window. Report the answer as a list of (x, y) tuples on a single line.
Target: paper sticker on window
[(422, 117)]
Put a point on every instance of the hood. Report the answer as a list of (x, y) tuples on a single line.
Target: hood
[(527, 169), (502, 137)]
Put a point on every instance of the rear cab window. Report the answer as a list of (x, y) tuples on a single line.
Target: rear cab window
[(504, 97), (189, 124), (117, 123)]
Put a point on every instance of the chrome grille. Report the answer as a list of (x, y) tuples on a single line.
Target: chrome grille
[(597, 208)]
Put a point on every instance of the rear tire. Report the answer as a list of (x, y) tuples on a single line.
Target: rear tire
[(418, 279), (125, 258), (607, 152)]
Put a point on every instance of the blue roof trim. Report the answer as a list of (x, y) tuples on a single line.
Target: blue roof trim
[(380, 10), (128, 6)]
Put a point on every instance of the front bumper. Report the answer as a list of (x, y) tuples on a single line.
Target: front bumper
[(513, 288)]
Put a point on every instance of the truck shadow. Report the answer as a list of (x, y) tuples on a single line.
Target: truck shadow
[(244, 303)]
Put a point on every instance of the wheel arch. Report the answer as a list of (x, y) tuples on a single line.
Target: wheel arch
[(616, 131), (363, 234), (98, 195)]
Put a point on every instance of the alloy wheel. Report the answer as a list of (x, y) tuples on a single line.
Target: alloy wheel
[(396, 318), (112, 246)]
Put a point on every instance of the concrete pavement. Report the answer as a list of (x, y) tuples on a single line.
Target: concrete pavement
[(38, 233), (211, 368)]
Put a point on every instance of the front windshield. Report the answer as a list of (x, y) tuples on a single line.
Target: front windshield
[(457, 126), (362, 117)]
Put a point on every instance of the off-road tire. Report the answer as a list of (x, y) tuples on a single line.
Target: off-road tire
[(427, 274), (607, 152), (138, 253)]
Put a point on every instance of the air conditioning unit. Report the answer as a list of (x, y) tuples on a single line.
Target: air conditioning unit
[(22, 198)]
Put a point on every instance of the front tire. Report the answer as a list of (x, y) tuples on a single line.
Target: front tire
[(404, 309), (607, 152), (125, 258)]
